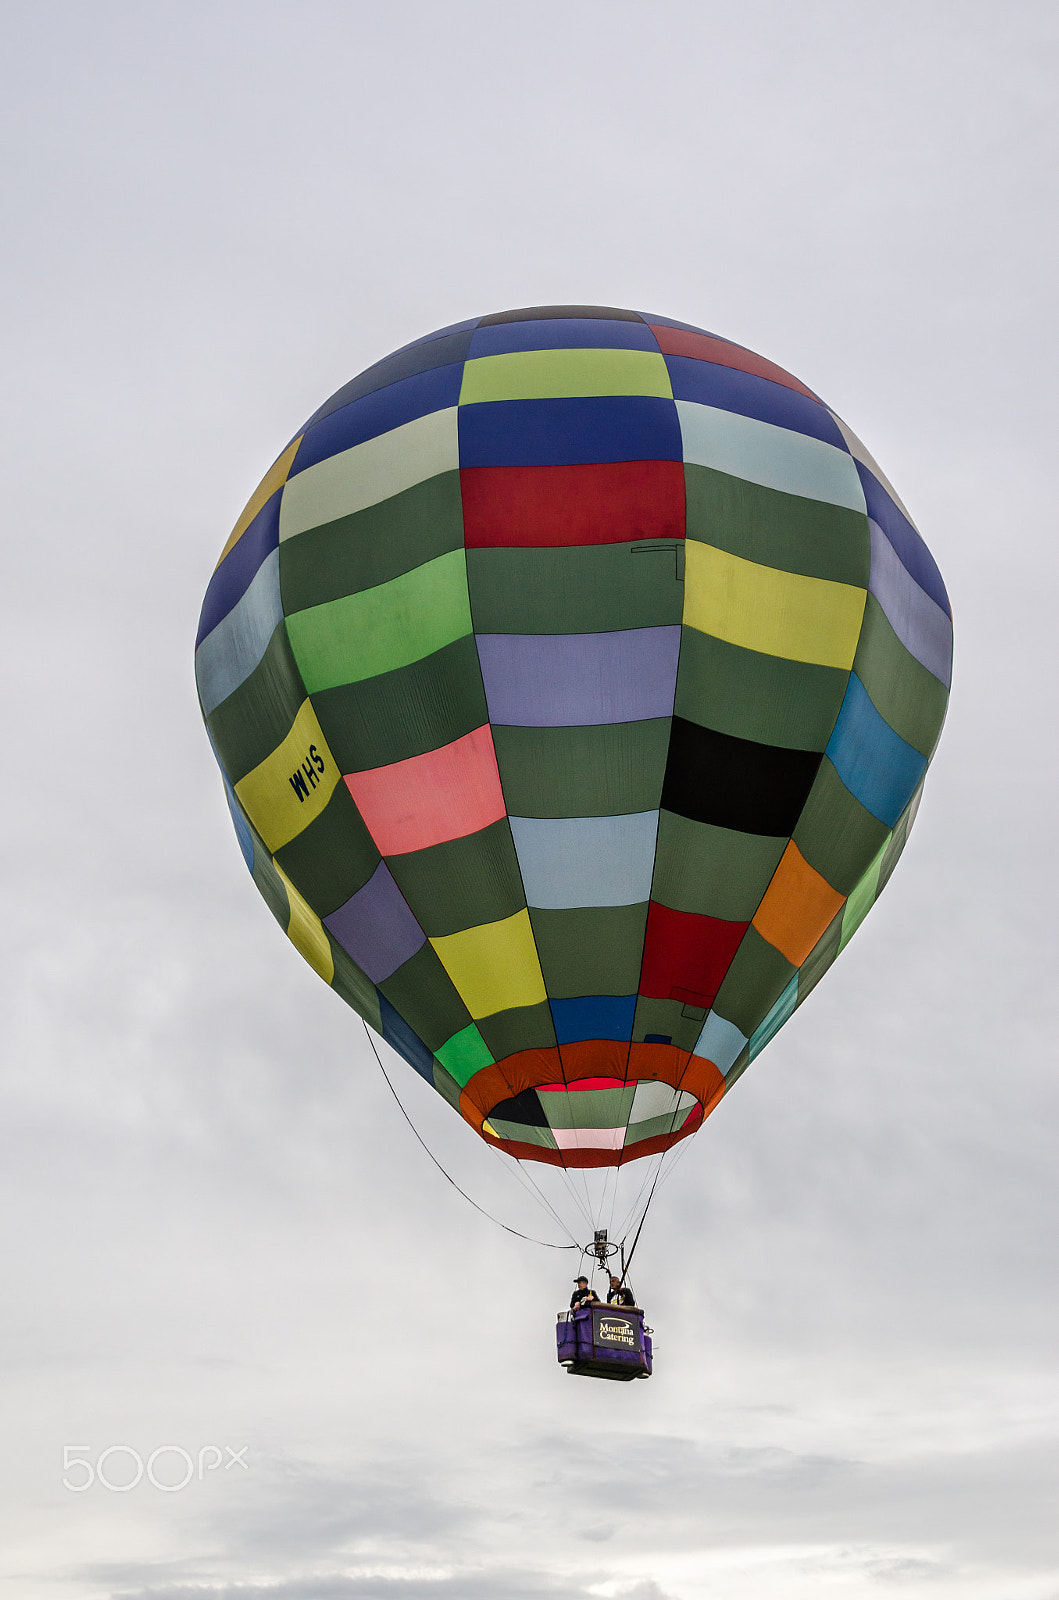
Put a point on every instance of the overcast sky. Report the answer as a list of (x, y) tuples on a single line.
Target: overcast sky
[(217, 1230)]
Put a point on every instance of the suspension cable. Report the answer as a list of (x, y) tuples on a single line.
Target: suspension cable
[(547, 1243)]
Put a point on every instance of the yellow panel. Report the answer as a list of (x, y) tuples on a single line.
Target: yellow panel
[(291, 787), (569, 374), (273, 479), (778, 613), (494, 966), (306, 932)]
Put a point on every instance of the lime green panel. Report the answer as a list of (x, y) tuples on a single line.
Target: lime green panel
[(902, 691), (383, 628), (464, 1054), (520, 1028), (835, 833), (333, 857), (602, 771), (559, 374), (779, 530), (580, 589), (462, 883), (421, 991), (590, 950), (405, 713), (753, 983), (257, 717), (372, 546), (862, 899), (753, 696), (716, 872)]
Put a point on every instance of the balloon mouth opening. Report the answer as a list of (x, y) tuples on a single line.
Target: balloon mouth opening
[(593, 1121)]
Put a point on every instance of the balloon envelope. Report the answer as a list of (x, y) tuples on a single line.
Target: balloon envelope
[(573, 674)]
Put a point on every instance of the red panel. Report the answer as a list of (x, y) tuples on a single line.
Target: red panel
[(686, 956), (612, 503), (679, 342)]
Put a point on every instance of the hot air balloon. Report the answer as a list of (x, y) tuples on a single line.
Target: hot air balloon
[(573, 674)]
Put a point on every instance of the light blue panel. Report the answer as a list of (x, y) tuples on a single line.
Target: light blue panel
[(586, 861), (230, 653), (918, 621), (775, 1019), (720, 1042), (876, 765), (761, 453)]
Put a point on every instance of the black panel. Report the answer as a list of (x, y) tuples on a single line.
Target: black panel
[(735, 783), (525, 1108), (549, 313)]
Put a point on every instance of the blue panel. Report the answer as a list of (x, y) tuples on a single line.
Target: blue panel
[(378, 413), (586, 861), (554, 433), (732, 390), (436, 350), (399, 1035), (228, 655), (562, 333), (233, 577), (913, 553), (874, 763), (240, 824), (599, 1016), (777, 1016)]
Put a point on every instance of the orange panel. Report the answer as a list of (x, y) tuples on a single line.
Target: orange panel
[(798, 907)]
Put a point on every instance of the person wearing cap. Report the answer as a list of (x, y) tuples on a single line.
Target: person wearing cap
[(583, 1295), (619, 1294)]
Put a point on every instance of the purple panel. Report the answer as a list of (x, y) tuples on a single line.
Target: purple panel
[(547, 680), (376, 927), (921, 625)]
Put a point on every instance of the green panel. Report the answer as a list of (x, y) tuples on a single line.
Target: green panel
[(462, 883), (523, 1133), (589, 1108), (257, 716), (423, 994), (447, 1087), (356, 989), (464, 1054), (404, 713), (381, 629), (372, 546), (600, 771), (776, 529), (270, 885), (521, 1028), (902, 691), (578, 589), (753, 983), (862, 899), (716, 872), (590, 949), (652, 1127), (819, 959), (754, 696), (738, 1067), (835, 834), (898, 840), (333, 857), (667, 1016)]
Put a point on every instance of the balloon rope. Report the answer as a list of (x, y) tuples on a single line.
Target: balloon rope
[(547, 1243)]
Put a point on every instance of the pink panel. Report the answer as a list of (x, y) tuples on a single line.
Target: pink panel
[(427, 799)]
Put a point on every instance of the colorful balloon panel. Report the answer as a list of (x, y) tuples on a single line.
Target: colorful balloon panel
[(573, 675)]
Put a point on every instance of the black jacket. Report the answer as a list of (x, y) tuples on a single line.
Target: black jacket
[(583, 1297), (621, 1297)]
